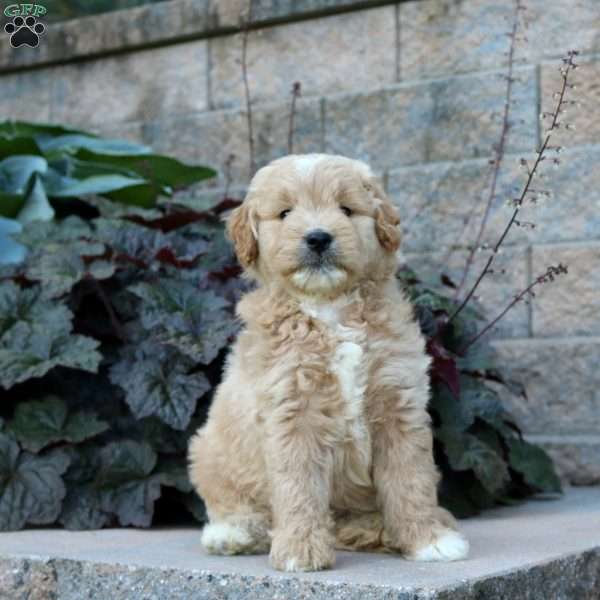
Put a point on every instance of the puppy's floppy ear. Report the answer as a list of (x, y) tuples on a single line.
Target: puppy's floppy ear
[(243, 235), (386, 218), (386, 226)]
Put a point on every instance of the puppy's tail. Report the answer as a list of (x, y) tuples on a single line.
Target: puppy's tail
[(360, 531)]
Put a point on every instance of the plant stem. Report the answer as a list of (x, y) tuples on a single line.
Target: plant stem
[(247, 96), (296, 89), (500, 149), (549, 275), (518, 202), (116, 324)]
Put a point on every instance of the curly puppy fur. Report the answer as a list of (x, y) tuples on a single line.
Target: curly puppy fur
[(318, 436)]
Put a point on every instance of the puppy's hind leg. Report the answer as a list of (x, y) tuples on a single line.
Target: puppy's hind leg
[(236, 524)]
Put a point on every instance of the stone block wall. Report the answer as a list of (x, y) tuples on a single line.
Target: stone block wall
[(416, 88)]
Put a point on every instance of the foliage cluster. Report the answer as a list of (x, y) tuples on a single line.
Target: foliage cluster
[(113, 331)]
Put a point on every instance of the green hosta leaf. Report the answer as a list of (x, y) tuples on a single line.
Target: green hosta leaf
[(28, 351), (126, 484), (464, 451), (160, 169), (192, 320), (36, 206), (16, 172), (157, 382), (35, 130), (59, 266), (10, 204), (99, 184), (37, 424), (73, 142), (534, 464), (17, 145), (31, 487), (143, 195)]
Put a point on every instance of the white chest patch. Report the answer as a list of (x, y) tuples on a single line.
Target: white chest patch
[(348, 364)]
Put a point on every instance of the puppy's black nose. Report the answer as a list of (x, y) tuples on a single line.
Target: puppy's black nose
[(318, 240)]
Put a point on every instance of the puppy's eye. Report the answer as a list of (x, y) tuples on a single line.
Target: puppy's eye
[(284, 213), (347, 211)]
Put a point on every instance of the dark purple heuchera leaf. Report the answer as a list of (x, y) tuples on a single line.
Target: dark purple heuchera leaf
[(466, 452), (157, 381), (197, 322), (31, 487), (115, 481), (443, 366), (30, 351), (39, 423), (126, 483)]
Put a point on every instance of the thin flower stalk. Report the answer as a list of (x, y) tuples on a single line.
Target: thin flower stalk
[(541, 155), (247, 95), (548, 276), (496, 162), (296, 92)]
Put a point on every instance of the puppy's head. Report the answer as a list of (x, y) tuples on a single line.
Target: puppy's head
[(316, 224)]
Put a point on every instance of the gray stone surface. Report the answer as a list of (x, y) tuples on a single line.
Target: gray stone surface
[(164, 22), (583, 117), (576, 457), (439, 37), (569, 305), (25, 96), (554, 28), (141, 86), (442, 204), (209, 138), (542, 549), (562, 380), (109, 32), (353, 51), (458, 118)]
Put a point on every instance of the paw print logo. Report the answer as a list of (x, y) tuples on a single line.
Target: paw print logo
[(24, 32)]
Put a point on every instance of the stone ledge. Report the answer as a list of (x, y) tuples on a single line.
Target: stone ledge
[(159, 24), (542, 549)]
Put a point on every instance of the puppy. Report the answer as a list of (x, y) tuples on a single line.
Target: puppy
[(319, 436)]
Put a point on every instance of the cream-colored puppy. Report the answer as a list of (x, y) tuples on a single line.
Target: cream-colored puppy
[(319, 436)]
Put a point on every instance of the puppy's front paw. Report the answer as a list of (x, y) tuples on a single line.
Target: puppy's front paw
[(295, 552), (449, 545)]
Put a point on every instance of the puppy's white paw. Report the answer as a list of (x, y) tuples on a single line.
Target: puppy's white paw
[(224, 538), (450, 545)]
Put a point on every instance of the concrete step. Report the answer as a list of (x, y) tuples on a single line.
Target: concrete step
[(541, 550)]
